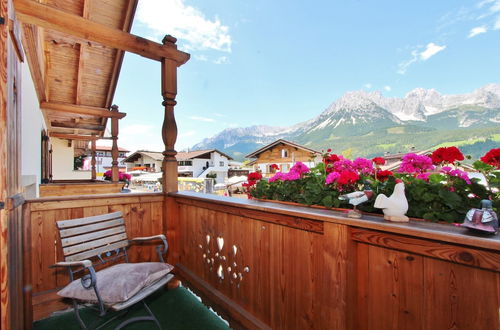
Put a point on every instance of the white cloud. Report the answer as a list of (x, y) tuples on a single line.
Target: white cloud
[(202, 58), (221, 60), (388, 88), (420, 55), (495, 7), (186, 23), (368, 86), (497, 24), (205, 119), (477, 30), (403, 66), (431, 50)]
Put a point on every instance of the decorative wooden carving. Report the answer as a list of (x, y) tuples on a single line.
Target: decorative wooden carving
[(114, 148), (223, 261), (169, 129)]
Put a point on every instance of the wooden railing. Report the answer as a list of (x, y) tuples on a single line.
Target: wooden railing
[(79, 187), (143, 214), (266, 265)]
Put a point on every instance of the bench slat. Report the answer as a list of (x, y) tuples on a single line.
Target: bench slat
[(88, 220), (92, 253), (89, 228), (92, 236), (91, 245)]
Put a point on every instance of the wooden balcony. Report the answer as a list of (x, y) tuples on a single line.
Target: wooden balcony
[(268, 265)]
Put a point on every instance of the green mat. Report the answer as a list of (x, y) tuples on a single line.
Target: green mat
[(175, 309)]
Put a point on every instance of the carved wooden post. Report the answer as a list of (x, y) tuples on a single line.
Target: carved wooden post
[(114, 148), (92, 161), (169, 128)]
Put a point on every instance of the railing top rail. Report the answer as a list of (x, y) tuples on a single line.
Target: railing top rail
[(421, 229)]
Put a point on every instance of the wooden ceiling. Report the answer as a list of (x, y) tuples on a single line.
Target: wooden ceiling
[(75, 78)]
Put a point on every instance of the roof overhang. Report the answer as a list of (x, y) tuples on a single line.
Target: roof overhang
[(75, 51)]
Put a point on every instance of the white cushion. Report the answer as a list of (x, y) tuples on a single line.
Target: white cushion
[(118, 283)]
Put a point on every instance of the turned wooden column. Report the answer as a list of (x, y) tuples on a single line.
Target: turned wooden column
[(92, 161), (169, 128), (114, 148)]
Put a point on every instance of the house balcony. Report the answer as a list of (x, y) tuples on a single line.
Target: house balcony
[(272, 266)]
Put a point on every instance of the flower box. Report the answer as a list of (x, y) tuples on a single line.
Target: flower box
[(435, 186)]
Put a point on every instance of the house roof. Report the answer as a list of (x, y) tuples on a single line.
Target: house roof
[(256, 153), (156, 155), (198, 153), (75, 78), (106, 148)]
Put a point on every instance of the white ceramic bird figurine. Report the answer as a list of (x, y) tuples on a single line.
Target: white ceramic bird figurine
[(355, 198), (395, 206)]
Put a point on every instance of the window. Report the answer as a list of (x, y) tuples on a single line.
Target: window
[(185, 163), (221, 163), (284, 153)]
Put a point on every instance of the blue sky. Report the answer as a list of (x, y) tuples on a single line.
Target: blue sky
[(282, 62)]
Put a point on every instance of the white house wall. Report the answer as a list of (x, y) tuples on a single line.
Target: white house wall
[(63, 160), (32, 125)]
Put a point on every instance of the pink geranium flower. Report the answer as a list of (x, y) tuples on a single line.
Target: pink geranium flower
[(332, 177), (364, 165), (415, 164), (300, 168)]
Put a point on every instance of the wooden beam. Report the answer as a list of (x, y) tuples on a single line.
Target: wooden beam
[(30, 45), (127, 25), (51, 18), (88, 127), (81, 65), (73, 136), (80, 109)]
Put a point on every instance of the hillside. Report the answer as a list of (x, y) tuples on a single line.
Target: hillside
[(367, 124)]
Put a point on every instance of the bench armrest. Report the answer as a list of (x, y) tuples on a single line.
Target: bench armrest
[(148, 238), (161, 250), (83, 263)]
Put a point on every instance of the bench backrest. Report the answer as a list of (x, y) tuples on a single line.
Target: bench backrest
[(88, 237)]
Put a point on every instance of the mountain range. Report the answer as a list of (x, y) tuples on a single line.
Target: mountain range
[(362, 123)]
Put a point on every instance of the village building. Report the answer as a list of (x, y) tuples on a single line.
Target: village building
[(104, 159), (284, 154), (197, 164)]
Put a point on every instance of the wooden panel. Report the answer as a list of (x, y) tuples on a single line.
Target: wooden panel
[(340, 278), (71, 189), (393, 290), (295, 277), (143, 217), (460, 297), (88, 220), (273, 155), (451, 252)]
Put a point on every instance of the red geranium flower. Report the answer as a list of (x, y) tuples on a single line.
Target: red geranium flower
[(275, 167), (382, 176), (329, 160), (347, 177), (254, 176), (446, 155), (492, 157), (379, 160)]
